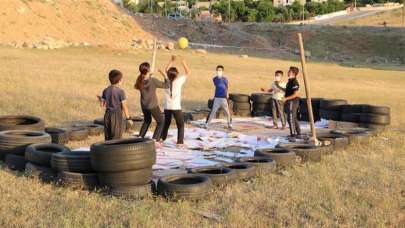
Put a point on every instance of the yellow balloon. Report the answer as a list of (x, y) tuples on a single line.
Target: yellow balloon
[(183, 43)]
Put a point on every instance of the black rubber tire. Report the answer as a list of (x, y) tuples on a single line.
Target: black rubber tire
[(42, 173), (41, 154), (374, 127), (132, 192), (354, 135), (184, 186), (352, 108), (126, 178), (78, 134), (99, 121), (239, 98), (382, 110), (87, 181), (375, 119), (332, 104), (95, 129), (58, 135), (261, 107), (16, 141), (236, 106), (75, 161), (329, 114), (123, 155), (22, 122), (339, 142), (350, 117), (283, 157), (243, 171), (218, 175), (15, 162), (262, 98), (243, 113), (263, 164), (256, 113), (305, 151)]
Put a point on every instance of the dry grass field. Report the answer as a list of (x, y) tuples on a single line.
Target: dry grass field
[(392, 18), (360, 187)]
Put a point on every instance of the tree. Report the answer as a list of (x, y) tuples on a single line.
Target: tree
[(266, 11)]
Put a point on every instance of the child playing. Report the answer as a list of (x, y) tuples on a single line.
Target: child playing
[(221, 95), (147, 85), (173, 99), (114, 100), (292, 103), (277, 105)]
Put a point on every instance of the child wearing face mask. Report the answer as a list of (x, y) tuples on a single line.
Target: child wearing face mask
[(291, 99), (221, 96), (277, 105)]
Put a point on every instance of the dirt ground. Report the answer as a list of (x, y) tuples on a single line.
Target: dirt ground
[(359, 187)]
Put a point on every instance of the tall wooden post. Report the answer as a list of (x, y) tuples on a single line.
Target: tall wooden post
[(307, 88)]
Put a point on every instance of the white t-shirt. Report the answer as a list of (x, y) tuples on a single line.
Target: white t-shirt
[(278, 93), (173, 96)]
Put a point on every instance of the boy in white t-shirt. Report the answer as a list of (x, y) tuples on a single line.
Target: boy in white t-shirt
[(277, 105), (172, 103)]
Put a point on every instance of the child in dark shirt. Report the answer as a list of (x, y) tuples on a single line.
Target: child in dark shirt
[(114, 100), (291, 99)]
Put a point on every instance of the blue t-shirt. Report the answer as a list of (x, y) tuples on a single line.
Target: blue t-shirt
[(221, 86)]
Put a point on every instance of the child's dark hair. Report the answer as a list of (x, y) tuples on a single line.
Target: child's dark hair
[(172, 74), (144, 69), (115, 76), (279, 72), (220, 67), (295, 70)]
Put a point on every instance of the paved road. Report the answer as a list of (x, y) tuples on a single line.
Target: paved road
[(353, 15)]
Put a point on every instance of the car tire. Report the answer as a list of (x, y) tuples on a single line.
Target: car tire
[(125, 178), (243, 171), (75, 161), (283, 157), (219, 175), (16, 141), (184, 186), (305, 151), (263, 164), (78, 134), (382, 110), (239, 98), (22, 122), (44, 174), (375, 119), (58, 135), (262, 98), (132, 192), (15, 162), (87, 181), (95, 129), (41, 154)]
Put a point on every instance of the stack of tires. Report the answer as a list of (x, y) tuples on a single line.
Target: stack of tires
[(261, 104), (13, 144), (303, 111), (369, 116), (240, 104), (124, 166), (59, 135), (331, 109), (38, 157), (74, 169)]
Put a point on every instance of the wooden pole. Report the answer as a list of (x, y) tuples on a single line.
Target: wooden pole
[(307, 89), (154, 55)]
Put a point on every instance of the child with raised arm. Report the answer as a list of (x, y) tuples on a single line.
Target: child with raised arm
[(147, 86), (221, 96), (277, 105), (115, 102), (172, 103)]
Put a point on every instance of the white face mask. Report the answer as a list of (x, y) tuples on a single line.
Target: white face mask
[(278, 78), (291, 76), (220, 73)]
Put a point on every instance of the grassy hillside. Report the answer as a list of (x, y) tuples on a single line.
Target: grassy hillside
[(359, 187), (392, 18)]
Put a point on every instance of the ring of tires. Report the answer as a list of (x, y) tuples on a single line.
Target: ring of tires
[(219, 175), (15, 162), (58, 135), (305, 151), (243, 171), (22, 122), (283, 157), (78, 134), (123, 154), (184, 186), (16, 141), (125, 178), (41, 153), (263, 164), (75, 161)]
